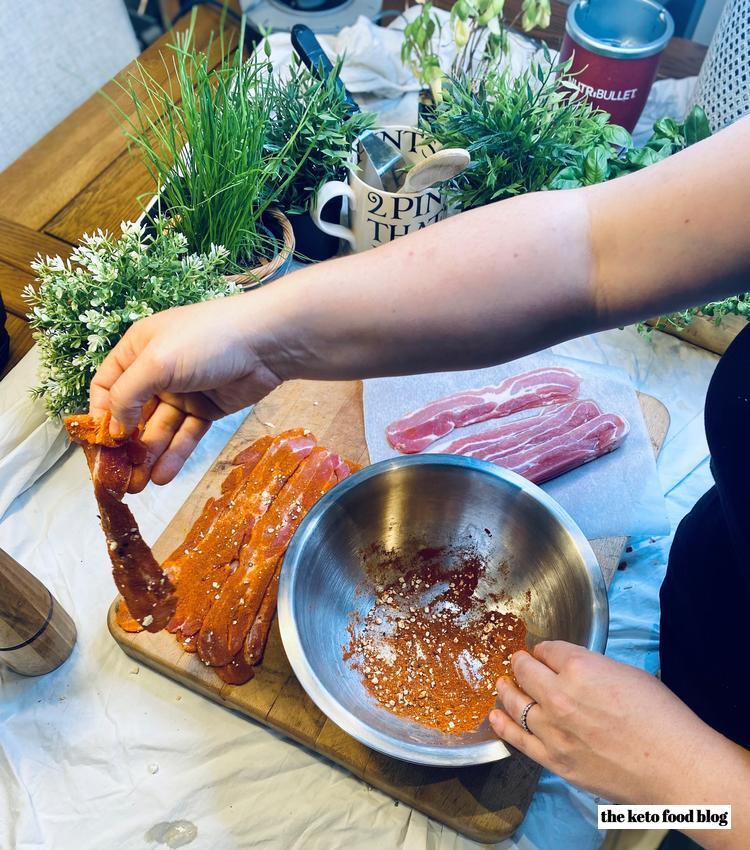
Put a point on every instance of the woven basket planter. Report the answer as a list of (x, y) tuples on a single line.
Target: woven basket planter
[(280, 229)]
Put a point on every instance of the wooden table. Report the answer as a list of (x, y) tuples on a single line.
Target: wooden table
[(81, 176)]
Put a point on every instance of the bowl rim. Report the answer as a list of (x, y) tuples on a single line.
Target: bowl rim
[(469, 754)]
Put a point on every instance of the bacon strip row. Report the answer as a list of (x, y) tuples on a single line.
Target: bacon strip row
[(539, 387), (228, 622), (493, 443), (594, 438), (199, 587)]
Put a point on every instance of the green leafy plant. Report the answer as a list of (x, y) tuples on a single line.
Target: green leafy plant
[(616, 155), (735, 305), (330, 136), (203, 138), (521, 131), (83, 306), (479, 33)]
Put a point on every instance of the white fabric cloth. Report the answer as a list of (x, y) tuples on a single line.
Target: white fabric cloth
[(30, 444), (98, 752)]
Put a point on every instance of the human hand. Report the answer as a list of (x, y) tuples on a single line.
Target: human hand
[(605, 726), (200, 362)]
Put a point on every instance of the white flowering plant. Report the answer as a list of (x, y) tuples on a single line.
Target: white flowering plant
[(82, 306)]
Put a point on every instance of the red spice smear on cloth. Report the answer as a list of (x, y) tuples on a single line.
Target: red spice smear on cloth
[(430, 648)]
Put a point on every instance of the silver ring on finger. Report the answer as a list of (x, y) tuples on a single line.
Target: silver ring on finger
[(525, 714)]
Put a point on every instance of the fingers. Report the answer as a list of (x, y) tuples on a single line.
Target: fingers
[(534, 677), (507, 729), (160, 430), (188, 436), (513, 701), (555, 653)]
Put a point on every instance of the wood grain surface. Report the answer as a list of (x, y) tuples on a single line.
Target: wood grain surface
[(487, 802), (55, 170), (705, 333), (36, 633)]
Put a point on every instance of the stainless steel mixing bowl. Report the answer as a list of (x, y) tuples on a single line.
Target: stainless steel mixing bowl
[(436, 500)]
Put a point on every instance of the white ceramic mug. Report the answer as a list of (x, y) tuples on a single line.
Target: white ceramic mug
[(377, 216)]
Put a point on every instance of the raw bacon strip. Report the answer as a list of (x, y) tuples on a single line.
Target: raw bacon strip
[(587, 442), (147, 591), (229, 620), (524, 433), (200, 574), (538, 387), (257, 638)]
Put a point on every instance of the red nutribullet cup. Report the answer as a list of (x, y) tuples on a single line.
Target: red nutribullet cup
[(616, 48)]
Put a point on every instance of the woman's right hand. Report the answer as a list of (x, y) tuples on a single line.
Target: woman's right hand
[(201, 362)]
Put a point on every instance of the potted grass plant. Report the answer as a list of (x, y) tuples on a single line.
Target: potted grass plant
[(527, 134), (204, 138)]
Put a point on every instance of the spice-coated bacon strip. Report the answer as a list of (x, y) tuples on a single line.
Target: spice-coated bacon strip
[(237, 672), (230, 487), (231, 616), (257, 637), (202, 572), (243, 466), (148, 592), (139, 578), (125, 619)]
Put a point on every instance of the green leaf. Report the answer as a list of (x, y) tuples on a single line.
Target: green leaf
[(568, 178), (696, 125), (595, 165), (667, 128), (617, 135)]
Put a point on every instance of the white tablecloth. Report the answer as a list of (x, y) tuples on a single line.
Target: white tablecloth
[(96, 753)]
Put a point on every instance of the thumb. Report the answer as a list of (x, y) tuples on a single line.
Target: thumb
[(144, 378), (127, 378)]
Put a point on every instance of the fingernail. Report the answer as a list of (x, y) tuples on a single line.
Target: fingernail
[(115, 429), (495, 716)]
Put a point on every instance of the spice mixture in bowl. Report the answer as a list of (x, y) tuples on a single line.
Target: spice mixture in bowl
[(434, 642), (431, 569)]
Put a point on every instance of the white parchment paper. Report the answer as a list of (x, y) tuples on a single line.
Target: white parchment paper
[(618, 494)]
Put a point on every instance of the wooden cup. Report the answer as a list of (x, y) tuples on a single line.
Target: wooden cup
[(36, 633)]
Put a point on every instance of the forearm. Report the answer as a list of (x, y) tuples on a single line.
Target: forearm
[(517, 276), (482, 287)]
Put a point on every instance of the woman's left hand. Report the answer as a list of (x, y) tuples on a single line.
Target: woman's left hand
[(603, 725)]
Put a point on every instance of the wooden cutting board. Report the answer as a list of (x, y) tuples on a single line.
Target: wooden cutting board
[(485, 803)]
